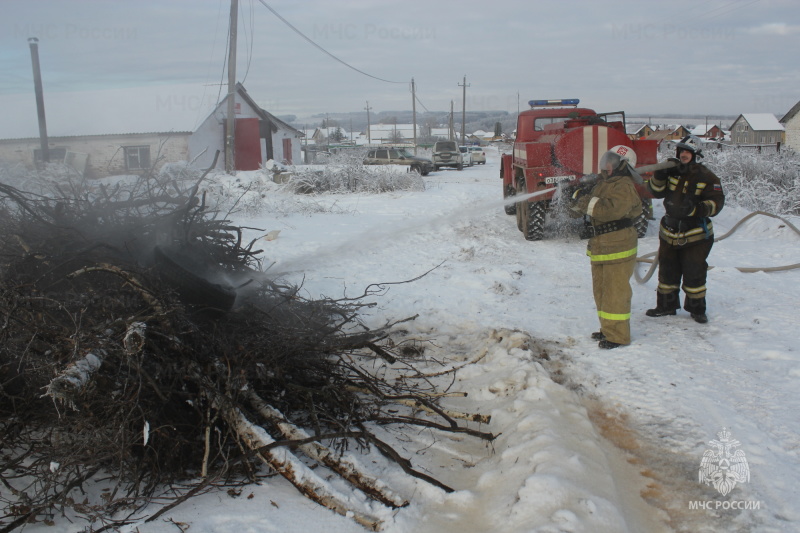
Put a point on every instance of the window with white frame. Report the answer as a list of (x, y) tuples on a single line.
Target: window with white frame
[(137, 157)]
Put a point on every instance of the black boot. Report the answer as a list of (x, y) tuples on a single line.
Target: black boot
[(666, 304), (608, 345), (598, 336), (658, 311), (697, 308)]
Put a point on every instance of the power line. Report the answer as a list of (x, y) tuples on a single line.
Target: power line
[(208, 72), (725, 9), (414, 92), (301, 34), (249, 37)]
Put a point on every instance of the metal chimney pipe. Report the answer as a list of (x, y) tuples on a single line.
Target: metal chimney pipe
[(37, 83)]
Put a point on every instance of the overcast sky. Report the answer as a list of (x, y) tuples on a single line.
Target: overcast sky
[(645, 57)]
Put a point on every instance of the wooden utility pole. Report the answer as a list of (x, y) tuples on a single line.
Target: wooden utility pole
[(463, 108), (450, 129), (414, 113), (37, 85), (369, 136), (230, 135)]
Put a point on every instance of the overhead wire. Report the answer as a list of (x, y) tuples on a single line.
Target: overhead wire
[(301, 34), (200, 109), (725, 9), (419, 101), (251, 37), (224, 64)]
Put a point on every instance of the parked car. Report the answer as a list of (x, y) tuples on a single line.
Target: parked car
[(398, 156), (466, 156), (478, 155), (447, 154)]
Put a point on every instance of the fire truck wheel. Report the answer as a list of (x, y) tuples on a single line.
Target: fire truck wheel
[(511, 209), (534, 221), (641, 223), (460, 166)]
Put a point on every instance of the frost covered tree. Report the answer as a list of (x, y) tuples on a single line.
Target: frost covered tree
[(756, 181)]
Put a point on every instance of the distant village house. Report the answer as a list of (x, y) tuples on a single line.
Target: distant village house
[(757, 129), (708, 132), (638, 131), (791, 125)]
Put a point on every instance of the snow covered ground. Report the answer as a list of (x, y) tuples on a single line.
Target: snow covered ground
[(589, 440)]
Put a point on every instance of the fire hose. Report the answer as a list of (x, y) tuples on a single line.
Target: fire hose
[(647, 258), (636, 173)]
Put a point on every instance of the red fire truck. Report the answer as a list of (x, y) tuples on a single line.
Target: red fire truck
[(557, 145)]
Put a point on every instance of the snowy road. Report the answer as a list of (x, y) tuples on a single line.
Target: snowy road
[(589, 440), (659, 400)]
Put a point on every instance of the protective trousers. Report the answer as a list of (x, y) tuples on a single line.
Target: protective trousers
[(689, 263), (612, 295)]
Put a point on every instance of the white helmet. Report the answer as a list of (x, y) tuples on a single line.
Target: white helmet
[(690, 143), (617, 155)]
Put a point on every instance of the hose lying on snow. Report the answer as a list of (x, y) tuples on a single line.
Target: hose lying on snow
[(647, 258)]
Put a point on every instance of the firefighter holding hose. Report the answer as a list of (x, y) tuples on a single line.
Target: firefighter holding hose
[(611, 204), (692, 194)]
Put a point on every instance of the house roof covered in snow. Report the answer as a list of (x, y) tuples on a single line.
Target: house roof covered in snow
[(791, 114), (761, 121), (633, 129), (702, 129)]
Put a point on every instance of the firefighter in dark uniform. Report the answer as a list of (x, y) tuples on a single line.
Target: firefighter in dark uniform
[(611, 205), (692, 194)]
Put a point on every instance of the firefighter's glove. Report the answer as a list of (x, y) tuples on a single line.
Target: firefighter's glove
[(681, 209), (578, 193), (575, 199), (674, 160), (702, 210)]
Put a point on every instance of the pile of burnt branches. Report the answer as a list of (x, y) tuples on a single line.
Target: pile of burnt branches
[(140, 340)]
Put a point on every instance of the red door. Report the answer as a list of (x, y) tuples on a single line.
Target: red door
[(247, 151), (287, 151)]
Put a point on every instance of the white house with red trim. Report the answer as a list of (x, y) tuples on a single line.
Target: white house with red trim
[(105, 133), (259, 136)]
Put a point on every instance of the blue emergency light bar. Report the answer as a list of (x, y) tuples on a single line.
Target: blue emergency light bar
[(541, 103)]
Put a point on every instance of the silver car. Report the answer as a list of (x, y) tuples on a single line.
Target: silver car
[(447, 154)]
